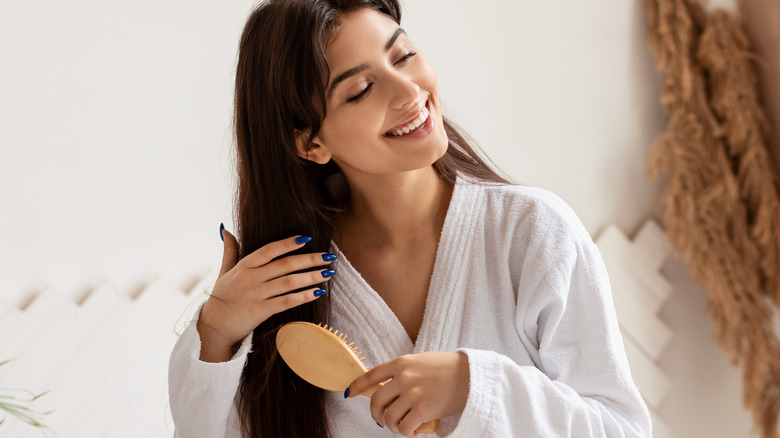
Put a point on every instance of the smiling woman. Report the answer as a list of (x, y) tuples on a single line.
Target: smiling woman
[(382, 87), (478, 302)]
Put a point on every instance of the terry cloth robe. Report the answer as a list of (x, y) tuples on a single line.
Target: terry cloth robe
[(518, 285)]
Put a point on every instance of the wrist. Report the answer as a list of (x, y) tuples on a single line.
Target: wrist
[(213, 347)]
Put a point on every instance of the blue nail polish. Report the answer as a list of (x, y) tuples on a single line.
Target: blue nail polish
[(329, 257), (302, 239), (328, 273), (346, 393), (320, 292), (221, 227)]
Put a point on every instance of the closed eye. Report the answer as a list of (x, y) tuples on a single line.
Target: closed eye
[(406, 57), (358, 97)]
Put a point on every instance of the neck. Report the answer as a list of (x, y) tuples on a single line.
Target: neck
[(394, 211)]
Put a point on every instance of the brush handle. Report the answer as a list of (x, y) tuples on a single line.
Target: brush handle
[(429, 427)]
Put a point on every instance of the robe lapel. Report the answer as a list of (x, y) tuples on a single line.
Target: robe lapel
[(443, 317), (360, 311)]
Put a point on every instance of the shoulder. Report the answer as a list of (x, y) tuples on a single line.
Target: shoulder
[(533, 209)]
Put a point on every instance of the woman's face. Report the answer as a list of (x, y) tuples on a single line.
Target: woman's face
[(379, 86)]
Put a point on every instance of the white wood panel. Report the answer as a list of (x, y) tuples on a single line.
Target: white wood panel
[(150, 406), (638, 319), (149, 371), (95, 309), (651, 244), (639, 291), (35, 321), (141, 323), (123, 390), (649, 378), (38, 344), (92, 361), (635, 284), (83, 373), (639, 261), (148, 364)]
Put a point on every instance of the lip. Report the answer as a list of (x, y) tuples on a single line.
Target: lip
[(419, 134), (411, 116)]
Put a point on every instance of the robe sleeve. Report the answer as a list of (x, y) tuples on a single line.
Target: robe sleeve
[(202, 395), (580, 384)]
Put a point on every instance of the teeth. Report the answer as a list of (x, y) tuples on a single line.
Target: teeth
[(414, 124)]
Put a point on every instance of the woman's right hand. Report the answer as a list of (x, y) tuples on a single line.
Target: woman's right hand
[(247, 292)]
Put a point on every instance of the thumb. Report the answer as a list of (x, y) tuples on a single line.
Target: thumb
[(229, 252)]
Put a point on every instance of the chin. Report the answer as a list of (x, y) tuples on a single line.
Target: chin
[(440, 152)]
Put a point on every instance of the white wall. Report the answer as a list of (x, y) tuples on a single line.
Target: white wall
[(116, 143), (116, 138)]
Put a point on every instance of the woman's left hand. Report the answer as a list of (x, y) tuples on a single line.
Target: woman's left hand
[(424, 387)]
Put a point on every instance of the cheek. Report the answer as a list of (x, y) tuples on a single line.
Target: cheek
[(355, 125)]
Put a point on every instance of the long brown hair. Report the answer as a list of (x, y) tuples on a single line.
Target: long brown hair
[(280, 84)]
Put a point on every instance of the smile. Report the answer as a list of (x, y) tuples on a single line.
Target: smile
[(414, 125)]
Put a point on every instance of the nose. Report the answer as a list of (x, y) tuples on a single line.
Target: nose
[(404, 91)]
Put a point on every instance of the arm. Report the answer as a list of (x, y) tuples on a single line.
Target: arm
[(201, 393), (580, 384), (203, 374)]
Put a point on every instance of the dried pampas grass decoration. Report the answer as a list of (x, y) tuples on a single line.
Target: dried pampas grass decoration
[(721, 198)]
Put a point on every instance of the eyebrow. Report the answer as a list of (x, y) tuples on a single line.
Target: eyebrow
[(355, 70)]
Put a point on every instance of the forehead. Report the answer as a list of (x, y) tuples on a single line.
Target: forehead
[(360, 33)]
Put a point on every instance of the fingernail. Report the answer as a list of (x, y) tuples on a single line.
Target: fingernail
[(328, 273), (379, 425), (302, 239), (346, 393), (221, 227), (329, 257), (320, 292)]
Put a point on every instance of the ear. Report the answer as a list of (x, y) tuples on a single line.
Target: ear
[(315, 151)]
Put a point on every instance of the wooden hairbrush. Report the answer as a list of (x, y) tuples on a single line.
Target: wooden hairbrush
[(322, 357)]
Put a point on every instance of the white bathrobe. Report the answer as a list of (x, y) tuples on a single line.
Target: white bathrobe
[(518, 285)]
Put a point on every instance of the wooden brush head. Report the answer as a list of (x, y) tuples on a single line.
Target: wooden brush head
[(319, 356)]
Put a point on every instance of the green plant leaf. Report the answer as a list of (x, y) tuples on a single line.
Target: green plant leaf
[(17, 405)]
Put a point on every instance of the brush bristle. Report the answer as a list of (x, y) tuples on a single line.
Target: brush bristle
[(343, 338)]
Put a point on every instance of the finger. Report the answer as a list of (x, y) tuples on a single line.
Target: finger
[(411, 422), (372, 377), (266, 253), (292, 282), (289, 264), (395, 413), (229, 250), (382, 400), (287, 302)]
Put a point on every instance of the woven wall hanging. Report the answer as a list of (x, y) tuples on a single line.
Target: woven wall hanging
[(720, 200)]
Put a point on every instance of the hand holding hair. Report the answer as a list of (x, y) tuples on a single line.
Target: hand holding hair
[(249, 291)]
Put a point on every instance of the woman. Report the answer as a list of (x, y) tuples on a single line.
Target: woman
[(484, 304)]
